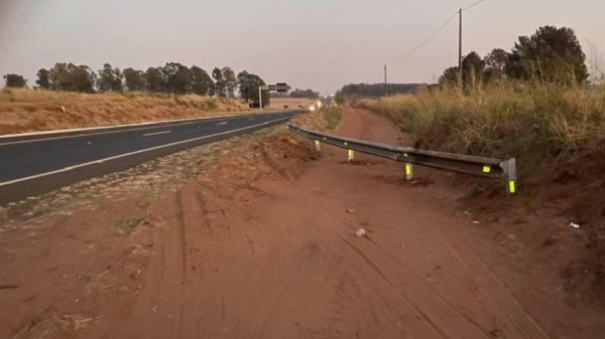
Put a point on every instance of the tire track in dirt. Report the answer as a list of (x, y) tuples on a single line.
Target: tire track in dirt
[(385, 289), (524, 325), (167, 299), (182, 233), (499, 300), (162, 296), (378, 278)]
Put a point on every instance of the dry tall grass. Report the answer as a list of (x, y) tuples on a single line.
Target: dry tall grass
[(23, 110), (325, 119), (528, 121)]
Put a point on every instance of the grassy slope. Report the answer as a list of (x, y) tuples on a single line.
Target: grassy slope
[(325, 119), (28, 110), (533, 123)]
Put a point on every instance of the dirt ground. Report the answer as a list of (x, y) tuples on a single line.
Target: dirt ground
[(265, 246)]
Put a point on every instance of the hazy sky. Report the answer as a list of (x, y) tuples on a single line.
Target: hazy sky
[(319, 44)]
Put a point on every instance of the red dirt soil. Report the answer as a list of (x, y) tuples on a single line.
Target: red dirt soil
[(265, 247)]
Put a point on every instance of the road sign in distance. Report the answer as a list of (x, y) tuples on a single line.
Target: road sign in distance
[(282, 87)]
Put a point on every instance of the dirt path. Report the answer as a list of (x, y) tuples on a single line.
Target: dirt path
[(294, 268), (278, 257)]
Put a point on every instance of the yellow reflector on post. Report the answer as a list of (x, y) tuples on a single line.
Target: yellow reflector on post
[(409, 172), (487, 169), (350, 155), (511, 187)]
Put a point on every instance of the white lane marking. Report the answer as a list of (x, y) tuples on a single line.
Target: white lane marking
[(156, 133), (132, 153), (222, 123)]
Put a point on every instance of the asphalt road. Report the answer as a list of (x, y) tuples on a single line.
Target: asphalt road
[(36, 155)]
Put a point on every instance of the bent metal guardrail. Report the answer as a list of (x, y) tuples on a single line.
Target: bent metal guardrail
[(467, 164)]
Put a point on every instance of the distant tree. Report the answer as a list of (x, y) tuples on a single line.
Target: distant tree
[(105, 78), (110, 79), (201, 82), (257, 82), (43, 78), (15, 81), (118, 81), (70, 77), (551, 54), (473, 68), (84, 78), (249, 87), (134, 80), (245, 87), (155, 80), (178, 78), (220, 84), (495, 63), (450, 76), (230, 81), (339, 98), (59, 77), (378, 90)]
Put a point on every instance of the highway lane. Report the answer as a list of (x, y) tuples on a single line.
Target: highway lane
[(27, 158)]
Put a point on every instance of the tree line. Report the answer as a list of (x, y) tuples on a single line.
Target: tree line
[(172, 78), (307, 93), (551, 54), (378, 90)]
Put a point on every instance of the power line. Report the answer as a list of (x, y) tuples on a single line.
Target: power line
[(472, 5), (427, 40), (430, 37)]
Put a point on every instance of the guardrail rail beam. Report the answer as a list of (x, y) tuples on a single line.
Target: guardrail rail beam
[(459, 163)]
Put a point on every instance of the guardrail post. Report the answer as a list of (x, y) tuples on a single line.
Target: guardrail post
[(317, 146), (511, 176), (409, 171), (350, 155)]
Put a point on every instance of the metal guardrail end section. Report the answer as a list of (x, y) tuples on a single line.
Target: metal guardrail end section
[(459, 163)]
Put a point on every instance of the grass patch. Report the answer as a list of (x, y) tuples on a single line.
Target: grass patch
[(45, 325), (331, 116), (127, 226), (141, 219)]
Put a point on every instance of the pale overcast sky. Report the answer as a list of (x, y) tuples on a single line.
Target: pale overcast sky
[(319, 44)]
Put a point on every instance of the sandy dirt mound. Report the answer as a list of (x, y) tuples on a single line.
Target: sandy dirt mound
[(266, 246)]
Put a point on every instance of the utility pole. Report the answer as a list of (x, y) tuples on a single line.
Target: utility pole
[(386, 91), (460, 46)]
